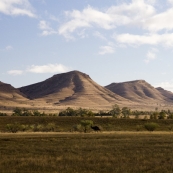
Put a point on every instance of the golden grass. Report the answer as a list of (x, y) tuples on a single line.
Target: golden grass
[(113, 152)]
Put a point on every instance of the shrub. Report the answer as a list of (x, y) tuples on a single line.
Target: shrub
[(150, 126), (170, 127), (51, 127), (139, 127), (3, 114), (34, 128), (13, 127), (77, 128), (24, 128), (86, 124)]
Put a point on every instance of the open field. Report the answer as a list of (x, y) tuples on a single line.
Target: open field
[(92, 153)]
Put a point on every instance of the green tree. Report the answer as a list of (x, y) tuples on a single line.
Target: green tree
[(126, 112), (82, 112), (86, 124), (70, 112), (116, 111), (162, 115), (36, 113), (17, 112)]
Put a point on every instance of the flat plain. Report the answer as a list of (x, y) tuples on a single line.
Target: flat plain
[(92, 153)]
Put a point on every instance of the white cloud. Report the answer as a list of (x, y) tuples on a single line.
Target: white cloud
[(49, 68), (166, 85), (166, 40), (46, 29), (160, 21), (106, 50), (127, 13), (151, 55), (136, 13), (16, 7), (15, 72)]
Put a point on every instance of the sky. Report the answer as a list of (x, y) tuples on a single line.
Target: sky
[(111, 41)]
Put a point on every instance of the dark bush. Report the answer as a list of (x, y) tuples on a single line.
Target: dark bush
[(151, 126)]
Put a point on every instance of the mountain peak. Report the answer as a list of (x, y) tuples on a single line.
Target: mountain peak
[(137, 90), (72, 88), (71, 73)]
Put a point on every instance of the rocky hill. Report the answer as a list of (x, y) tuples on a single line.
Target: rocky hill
[(140, 91), (74, 89)]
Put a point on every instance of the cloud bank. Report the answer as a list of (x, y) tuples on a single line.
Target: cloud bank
[(16, 7)]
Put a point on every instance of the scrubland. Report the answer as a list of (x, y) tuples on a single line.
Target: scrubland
[(123, 145)]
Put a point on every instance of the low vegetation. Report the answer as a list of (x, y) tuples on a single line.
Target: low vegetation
[(151, 126), (3, 114), (76, 124), (15, 127), (96, 153)]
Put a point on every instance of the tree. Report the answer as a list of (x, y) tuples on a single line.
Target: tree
[(116, 111), (155, 115), (86, 124), (70, 112), (162, 115), (17, 112), (126, 112)]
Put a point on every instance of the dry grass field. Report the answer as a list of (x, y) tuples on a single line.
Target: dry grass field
[(118, 152), (119, 148)]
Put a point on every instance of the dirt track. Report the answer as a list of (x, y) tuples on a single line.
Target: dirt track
[(77, 133)]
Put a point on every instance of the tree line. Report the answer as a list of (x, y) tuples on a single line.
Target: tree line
[(115, 112)]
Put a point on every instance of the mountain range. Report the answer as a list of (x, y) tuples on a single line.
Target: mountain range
[(140, 91), (77, 89)]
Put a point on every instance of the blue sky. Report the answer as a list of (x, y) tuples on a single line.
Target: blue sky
[(112, 40)]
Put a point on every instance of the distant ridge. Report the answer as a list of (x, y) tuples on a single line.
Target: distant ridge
[(72, 88), (9, 92), (138, 91), (10, 95), (165, 93)]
